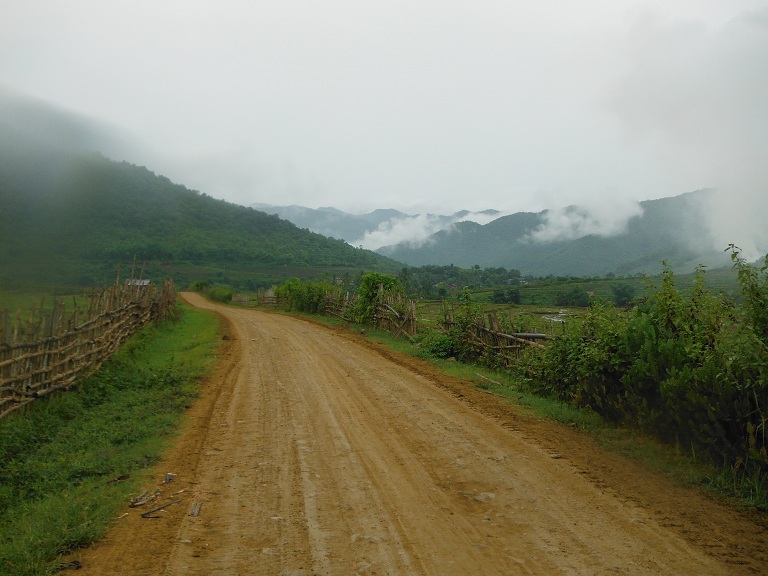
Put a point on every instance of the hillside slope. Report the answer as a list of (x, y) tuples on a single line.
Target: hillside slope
[(73, 216)]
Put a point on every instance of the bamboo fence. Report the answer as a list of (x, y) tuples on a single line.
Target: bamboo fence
[(492, 339), (488, 335), (397, 315), (49, 351), (340, 305)]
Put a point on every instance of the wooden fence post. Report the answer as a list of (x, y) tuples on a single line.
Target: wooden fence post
[(53, 351)]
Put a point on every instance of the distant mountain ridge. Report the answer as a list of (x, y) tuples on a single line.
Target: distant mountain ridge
[(665, 229), (352, 228), (330, 221), (668, 229)]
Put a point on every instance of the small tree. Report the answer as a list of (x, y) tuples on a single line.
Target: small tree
[(576, 296), (623, 294), (373, 287)]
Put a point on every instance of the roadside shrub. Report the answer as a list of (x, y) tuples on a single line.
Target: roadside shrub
[(689, 366), (220, 293), (198, 286), (586, 370), (306, 297), (373, 287), (435, 344)]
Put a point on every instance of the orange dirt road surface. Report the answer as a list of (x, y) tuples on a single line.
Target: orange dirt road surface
[(313, 451)]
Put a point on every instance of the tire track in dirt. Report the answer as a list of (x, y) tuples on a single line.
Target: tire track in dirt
[(324, 456)]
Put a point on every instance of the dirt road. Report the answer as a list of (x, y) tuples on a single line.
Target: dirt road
[(315, 453)]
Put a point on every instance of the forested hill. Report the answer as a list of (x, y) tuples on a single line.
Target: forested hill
[(70, 217), (669, 229)]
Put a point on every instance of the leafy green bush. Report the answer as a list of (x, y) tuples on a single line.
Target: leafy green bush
[(220, 293), (436, 344), (586, 370), (306, 297), (508, 296), (576, 296), (373, 287), (691, 367)]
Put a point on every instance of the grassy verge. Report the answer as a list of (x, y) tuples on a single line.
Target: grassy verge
[(69, 462)]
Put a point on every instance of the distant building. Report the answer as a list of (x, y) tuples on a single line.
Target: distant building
[(136, 282)]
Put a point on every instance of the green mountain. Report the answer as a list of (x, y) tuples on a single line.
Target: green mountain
[(668, 229), (331, 222), (352, 227), (71, 217)]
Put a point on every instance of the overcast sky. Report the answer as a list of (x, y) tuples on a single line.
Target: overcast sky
[(417, 105)]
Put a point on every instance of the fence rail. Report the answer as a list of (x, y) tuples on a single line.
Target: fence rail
[(50, 351), (490, 336)]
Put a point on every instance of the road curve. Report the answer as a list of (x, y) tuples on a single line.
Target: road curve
[(320, 456)]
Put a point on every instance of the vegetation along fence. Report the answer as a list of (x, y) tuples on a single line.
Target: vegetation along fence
[(485, 336), (689, 365), (50, 349), (477, 335)]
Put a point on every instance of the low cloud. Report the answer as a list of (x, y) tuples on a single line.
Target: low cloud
[(694, 97), (607, 218), (415, 231), (412, 230), (738, 216), (50, 126)]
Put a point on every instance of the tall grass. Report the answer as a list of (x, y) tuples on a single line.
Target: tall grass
[(69, 462)]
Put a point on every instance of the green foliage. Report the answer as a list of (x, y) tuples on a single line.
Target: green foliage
[(220, 293), (304, 296), (199, 286), (586, 370), (69, 462), (508, 296), (436, 344), (430, 280), (217, 292), (373, 287), (690, 366), (576, 296), (623, 294), (72, 218)]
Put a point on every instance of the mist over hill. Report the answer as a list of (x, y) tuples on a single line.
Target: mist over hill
[(622, 239), (375, 229), (332, 222), (569, 241), (69, 216)]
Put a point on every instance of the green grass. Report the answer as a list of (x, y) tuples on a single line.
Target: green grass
[(69, 462), (27, 301)]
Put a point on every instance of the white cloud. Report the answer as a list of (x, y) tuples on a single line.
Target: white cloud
[(454, 105), (416, 230), (692, 101), (606, 218)]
